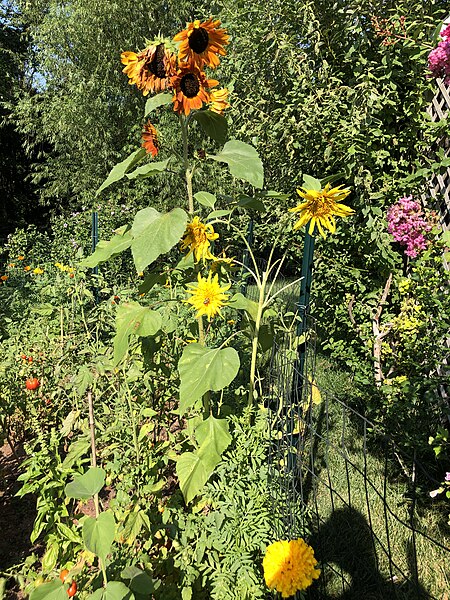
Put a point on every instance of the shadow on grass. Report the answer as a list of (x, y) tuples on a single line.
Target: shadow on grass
[(345, 546)]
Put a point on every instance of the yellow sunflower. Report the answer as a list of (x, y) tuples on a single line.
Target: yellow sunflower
[(197, 238), (219, 100), (320, 207), (151, 69), (202, 43), (190, 89), (289, 567), (150, 139), (208, 296)]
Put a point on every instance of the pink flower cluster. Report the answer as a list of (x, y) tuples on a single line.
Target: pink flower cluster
[(408, 225), (439, 57)]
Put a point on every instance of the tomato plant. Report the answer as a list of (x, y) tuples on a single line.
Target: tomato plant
[(72, 589), (32, 384)]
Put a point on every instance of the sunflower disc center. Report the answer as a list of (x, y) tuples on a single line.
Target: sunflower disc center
[(189, 85), (198, 40), (157, 67)]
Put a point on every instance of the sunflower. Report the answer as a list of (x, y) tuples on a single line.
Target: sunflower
[(190, 87), (150, 139), (207, 296), (289, 567), (202, 43), (151, 69), (319, 208), (219, 100), (197, 238)]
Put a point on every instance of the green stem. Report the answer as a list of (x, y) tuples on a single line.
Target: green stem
[(133, 426), (188, 172), (261, 302)]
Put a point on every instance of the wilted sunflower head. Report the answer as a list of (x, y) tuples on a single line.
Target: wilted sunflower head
[(190, 86), (197, 238), (150, 139), (202, 43), (320, 207), (152, 68)]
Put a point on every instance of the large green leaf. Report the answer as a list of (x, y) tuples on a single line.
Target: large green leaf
[(248, 202), (214, 125), (107, 249), (156, 101), (149, 169), (202, 369), (213, 433), (140, 581), (114, 590), (239, 301), (86, 485), (132, 318), (119, 170), (155, 234), (98, 534), (311, 183), (243, 162), (205, 199), (53, 590), (194, 469)]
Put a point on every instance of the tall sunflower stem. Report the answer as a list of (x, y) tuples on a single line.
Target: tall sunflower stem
[(188, 172), (261, 303)]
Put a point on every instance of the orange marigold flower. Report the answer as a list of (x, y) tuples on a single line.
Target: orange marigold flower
[(151, 69), (219, 100), (190, 87), (150, 139), (27, 268), (202, 43), (21, 257), (4, 277)]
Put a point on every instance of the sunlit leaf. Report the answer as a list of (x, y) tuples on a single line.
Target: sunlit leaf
[(86, 485), (243, 162), (119, 170), (156, 101), (155, 233), (202, 369)]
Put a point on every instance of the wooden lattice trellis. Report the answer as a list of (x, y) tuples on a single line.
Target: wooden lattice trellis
[(439, 190), (439, 185)]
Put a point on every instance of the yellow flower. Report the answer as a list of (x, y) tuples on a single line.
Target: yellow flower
[(289, 567), (201, 43), (27, 268), (38, 271), (4, 277), (207, 296), (319, 208), (219, 100), (197, 238)]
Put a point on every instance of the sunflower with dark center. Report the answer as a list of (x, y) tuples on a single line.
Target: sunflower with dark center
[(151, 69), (150, 139), (202, 43), (190, 86)]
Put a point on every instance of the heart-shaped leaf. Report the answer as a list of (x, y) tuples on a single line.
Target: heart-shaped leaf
[(98, 534), (243, 162), (149, 169), (86, 485), (202, 369), (155, 233), (214, 125)]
